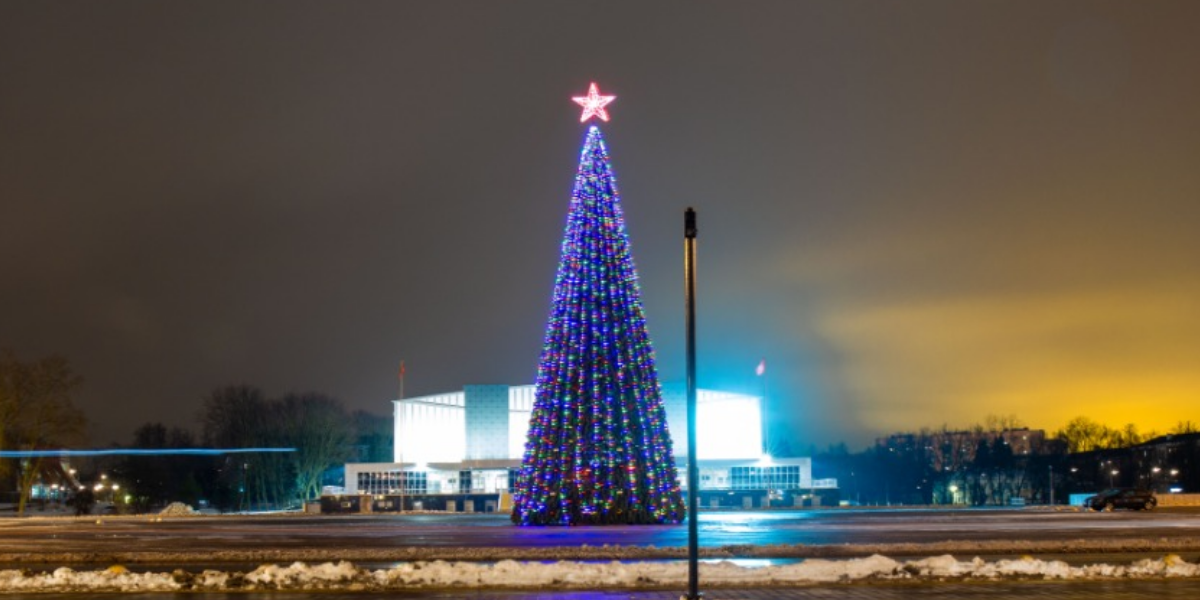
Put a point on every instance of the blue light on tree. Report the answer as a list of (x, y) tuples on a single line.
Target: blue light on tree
[(598, 450)]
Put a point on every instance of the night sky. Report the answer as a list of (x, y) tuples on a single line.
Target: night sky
[(919, 213)]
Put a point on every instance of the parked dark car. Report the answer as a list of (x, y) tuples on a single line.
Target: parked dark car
[(1122, 498)]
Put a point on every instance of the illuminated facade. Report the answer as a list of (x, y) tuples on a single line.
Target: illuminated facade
[(489, 422), (472, 441)]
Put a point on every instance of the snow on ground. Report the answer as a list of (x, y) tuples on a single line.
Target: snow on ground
[(345, 576), (178, 509)]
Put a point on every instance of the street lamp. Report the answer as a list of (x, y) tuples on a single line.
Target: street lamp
[(1111, 475), (1051, 485), (242, 488)]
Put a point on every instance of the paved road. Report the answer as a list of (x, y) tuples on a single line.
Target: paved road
[(717, 529), (25, 539), (1053, 590)]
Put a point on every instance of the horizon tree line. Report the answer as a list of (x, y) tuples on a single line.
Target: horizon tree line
[(317, 426), (36, 413), (977, 465)]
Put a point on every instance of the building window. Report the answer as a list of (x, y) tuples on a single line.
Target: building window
[(392, 482), (782, 477)]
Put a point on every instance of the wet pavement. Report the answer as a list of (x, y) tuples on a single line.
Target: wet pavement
[(744, 529), (717, 529)]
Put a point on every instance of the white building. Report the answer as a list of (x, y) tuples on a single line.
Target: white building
[(471, 442)]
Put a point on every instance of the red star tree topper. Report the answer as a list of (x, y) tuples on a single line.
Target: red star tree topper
[(593, 104)]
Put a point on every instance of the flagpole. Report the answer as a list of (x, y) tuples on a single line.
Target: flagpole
[(765, 427)]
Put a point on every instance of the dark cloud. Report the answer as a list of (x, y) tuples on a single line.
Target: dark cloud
[(917, 212)]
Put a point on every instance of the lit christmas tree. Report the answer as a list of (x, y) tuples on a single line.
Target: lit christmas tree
[(598, 451)]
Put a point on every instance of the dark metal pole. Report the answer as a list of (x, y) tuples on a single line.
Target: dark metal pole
[(693, 472)]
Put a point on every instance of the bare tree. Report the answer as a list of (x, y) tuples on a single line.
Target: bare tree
[(1083, 434), (239, 416), (154, 480), (233, 416), (1128, 436), (315, 425), (36, 413), (1184, 427), (999, 423), (319, 429)]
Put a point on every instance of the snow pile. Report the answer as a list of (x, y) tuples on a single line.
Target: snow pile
[(177, 509), (65, 579), (345, 576), (302, 576), (946, 567)]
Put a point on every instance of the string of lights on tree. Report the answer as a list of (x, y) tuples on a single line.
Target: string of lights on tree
[(598, 451)]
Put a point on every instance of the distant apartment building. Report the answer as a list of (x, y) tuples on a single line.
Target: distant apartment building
[(948, 450)]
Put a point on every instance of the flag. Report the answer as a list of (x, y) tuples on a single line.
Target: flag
[(402, 370), (761, 369)]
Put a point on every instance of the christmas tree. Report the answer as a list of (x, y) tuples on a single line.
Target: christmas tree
[(598, 451)]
